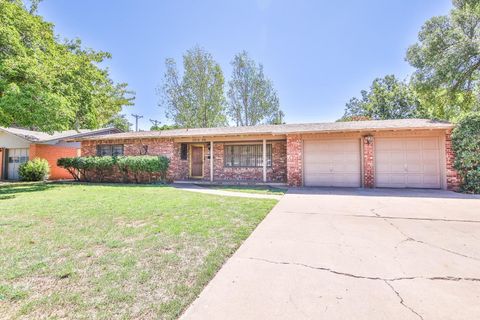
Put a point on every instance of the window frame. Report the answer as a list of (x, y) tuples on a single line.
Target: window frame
[(111, 151), (184, 151), (229, 162)]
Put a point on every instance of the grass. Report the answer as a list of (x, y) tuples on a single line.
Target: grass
[(249, 189), (114, 251)]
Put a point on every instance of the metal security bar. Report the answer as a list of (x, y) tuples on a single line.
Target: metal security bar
[(246, 155)]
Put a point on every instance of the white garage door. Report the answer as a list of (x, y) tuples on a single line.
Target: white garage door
[(407, 162), (15, 158), (332, 163)]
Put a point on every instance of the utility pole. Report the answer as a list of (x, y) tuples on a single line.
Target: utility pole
[(155, 123), (136, 116)]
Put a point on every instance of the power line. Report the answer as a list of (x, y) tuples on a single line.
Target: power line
[(136, 116)]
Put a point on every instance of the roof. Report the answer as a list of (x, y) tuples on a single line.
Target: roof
[(37, 136), (373, 125)]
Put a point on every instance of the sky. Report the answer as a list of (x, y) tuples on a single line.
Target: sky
[(318, 53)]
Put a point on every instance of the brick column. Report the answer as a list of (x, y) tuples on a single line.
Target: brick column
[(368, 162), (453, 178), (294, 160)]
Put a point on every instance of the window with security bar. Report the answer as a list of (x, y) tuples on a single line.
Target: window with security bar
[(249, 155)]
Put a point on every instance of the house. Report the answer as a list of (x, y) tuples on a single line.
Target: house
[(406, 153), (19, 145)]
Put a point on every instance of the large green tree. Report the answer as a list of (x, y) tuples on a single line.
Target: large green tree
[(251, 96), (196, 98), (119, 121), (388, 98), (447, 61), (47, 84)]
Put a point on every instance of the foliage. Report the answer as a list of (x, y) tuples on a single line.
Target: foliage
[(164, 127), (97, 168), (447, 62), (196, 99), (72, 165), (466, 144), (149, 165), (37, 169), (388, 98), (119, 121), (50, 85), (252, 98)]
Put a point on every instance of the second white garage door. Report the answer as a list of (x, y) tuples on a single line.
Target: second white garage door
[(332, 163), (407, 162)]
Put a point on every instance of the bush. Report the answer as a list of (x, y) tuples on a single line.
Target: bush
[(466, 144), (72, 165), (141, 165), (34, 170), (136, 166)]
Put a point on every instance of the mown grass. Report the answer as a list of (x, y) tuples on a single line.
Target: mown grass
[(249, 189), (114, 251)]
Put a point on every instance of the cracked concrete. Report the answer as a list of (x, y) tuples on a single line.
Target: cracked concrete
[(350, 254)]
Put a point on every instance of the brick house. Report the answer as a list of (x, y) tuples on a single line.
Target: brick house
[(407, 153), (19, 145)]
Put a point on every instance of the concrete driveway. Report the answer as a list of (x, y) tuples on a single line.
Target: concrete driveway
[(354, 254)]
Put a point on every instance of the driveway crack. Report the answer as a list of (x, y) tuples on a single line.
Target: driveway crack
[(409, 238), (402, 302), (356, 276)]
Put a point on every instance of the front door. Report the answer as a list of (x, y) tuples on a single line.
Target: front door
[(196, 162), (15, 157)]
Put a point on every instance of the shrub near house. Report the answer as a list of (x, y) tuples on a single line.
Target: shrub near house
[(466, 144), (37, 169), (132, 168)]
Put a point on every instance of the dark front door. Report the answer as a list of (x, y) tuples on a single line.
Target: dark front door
[(196, 162)]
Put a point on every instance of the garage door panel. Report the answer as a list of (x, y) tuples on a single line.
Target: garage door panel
[(411, 162), (333, 163), (430, 144)]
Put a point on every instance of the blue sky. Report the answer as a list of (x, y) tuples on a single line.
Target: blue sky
[(318, 54)]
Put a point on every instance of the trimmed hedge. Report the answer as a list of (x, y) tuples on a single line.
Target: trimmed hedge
[(37, 169), (466, 144), (99, 168)]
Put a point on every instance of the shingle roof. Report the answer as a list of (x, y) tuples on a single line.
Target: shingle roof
[(372, 125), (37, 136)]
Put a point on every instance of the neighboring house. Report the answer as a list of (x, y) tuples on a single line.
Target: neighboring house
[(409, 153), (19, 145)]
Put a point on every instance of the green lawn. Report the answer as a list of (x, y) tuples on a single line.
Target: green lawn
[(114, 251), (249, 189)]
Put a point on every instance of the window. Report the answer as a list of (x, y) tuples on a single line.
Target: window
[(110, 150), (183, 151), (247, 155)]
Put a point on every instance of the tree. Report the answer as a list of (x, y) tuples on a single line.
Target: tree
[(388, 98), (466, 144), (251, 96), (50, 85), (196, 99), (163, 127), (447, 61), (119, 121)]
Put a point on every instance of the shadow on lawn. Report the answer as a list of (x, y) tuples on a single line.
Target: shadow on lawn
[(11, 190)]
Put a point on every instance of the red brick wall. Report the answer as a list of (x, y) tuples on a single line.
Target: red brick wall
[(294, 160), (51, 154), (368, 162), (180, 170), (276, 173), (453, 179)]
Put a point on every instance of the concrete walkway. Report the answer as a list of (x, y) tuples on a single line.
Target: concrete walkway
[(354, 254), (195, 188)]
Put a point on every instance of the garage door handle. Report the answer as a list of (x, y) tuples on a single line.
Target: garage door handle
[(406, 168)]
